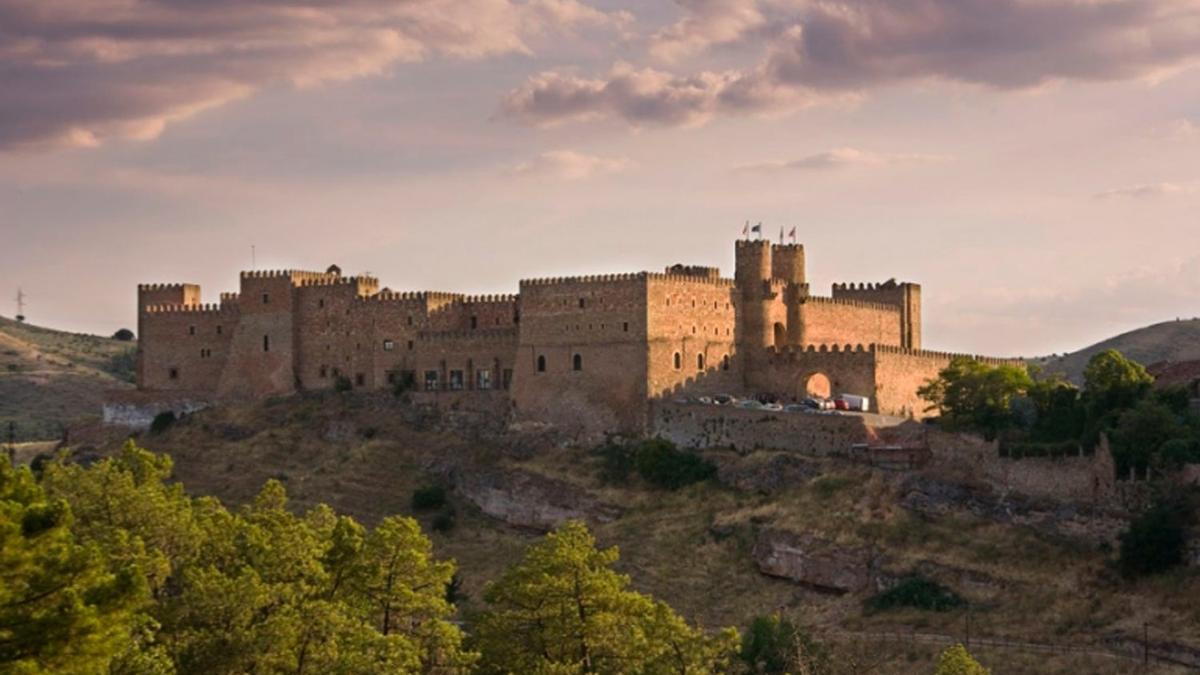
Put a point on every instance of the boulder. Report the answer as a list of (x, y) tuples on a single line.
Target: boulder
[(525, 499), (814, 561)]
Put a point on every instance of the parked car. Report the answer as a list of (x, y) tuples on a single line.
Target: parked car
[(855, 402), (797, 407), (750, 404), (840, 404), (706, 400), (724, 399), (773, 407)]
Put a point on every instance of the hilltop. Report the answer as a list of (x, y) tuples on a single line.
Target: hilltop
[(51, 378), (1167, 341), (703, 548)]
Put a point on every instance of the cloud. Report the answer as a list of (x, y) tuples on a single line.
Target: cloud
[(80, 72), (1147, 190), (836, 159), (569, 165), (817, 48)]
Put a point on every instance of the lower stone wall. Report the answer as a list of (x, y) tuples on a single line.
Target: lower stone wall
[(706, 426), (139, 416)]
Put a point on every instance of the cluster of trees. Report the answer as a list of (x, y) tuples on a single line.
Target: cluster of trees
[(1148, 428), (657, 461), (113, 569)]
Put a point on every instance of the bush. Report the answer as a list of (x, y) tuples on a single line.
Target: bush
[(342, 383), (773, 644), (661, 464), (616, 463), (429, 498), (444, 521), (957, 660), (919, 593), (123, 335), (162, 421), (404, 383), (1156, 540)]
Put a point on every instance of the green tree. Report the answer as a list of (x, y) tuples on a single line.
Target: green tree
[(1059, 411), (957, 660), (974, 396), (774, 645), (563, 609), (1156, 540), (1140, 434), (660, 463), (1113, 383), (62, 610)]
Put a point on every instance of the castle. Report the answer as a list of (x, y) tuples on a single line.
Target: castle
[(589, 353)]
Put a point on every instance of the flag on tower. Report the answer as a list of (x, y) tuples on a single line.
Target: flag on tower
[(781, 235), (757, 229), (792, 234)]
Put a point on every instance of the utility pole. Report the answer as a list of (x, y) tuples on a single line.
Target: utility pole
[(20, 304)]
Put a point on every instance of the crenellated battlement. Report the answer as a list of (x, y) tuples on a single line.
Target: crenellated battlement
[(890, 284), (336, 280), (498, 298), (202, 308), (926, 353), (630, 276), (412, 296), (820, 299), (144, 288)]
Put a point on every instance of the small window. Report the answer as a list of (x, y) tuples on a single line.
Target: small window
[(456, 380), (410, 345), (218, 330), (483, 379), (431, 380), (321, 302), (388, 345), (266, 298), (324, 372), (582, 303), (678, 361), (173, 373), (577, 362), (266, 343), (625, 326), (191, 330), (693, 330), (474, 322), (541, 364), (360, 379), (699, 362), (410, 319), (725, 362), (391, 377), (506, 378)]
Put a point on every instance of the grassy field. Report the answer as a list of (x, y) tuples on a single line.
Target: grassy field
[(51, 378), (692, 547)]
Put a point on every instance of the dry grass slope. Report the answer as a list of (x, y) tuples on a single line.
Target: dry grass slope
[(1167, 341), (51, 378)]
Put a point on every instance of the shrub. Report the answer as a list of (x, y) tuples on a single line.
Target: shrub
[(957, 660), (429, 498), (342, 383), (162, 421), (916, 592), (773, 644), (404, 383), (123, 335), (444, 521), (1156, 540), (616, 462), (661, 464)]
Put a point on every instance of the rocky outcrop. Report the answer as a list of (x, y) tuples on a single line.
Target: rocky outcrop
[(764, 474), (525, 499), (932, 497), (815, 562)]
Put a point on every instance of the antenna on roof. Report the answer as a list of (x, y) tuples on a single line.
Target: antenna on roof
[(20, 304)]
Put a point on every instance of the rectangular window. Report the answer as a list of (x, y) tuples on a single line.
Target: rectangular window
[(456, 380), (321, 302), (410, 345), (431, 380), (360, 380), (582, 303), (266, 298), (391, 377), (191, 330), (266, 343), (483, 379), (324, 372), (173, 373), (506, 379), (474, 322), (625, 326), (218, 330)]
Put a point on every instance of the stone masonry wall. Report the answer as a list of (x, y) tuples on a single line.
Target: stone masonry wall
[(706, 426), (830, 322)]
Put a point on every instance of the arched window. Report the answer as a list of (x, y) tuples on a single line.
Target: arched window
[(541, 364), (577, 362), (678, 360), (699, 362), (725, 362)]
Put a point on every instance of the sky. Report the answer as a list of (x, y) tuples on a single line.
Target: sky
[(1034, 164)]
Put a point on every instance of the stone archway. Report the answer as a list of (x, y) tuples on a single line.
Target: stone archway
[(818, 386)]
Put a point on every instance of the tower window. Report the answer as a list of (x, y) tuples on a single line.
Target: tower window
[(173, 373), (577, 362), (474, 322), (725, 362), (541, 364), (266, 343), (582, 303), (266, 298), (218, 330), (625, 326), (191, 330), (388, 345), (360, 379), (321, 302), (410, 345), (699, 362), (324, 371), (678, 361)]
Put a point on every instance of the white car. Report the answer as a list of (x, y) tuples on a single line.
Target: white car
[(773, 407)]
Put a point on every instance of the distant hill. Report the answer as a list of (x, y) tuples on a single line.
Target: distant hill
[(1167, 341), (49, 378)]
